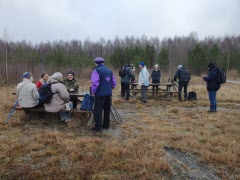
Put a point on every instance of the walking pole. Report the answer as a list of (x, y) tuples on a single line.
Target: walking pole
[(11, 112)]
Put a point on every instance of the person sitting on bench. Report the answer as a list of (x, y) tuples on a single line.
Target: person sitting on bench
[(27, 92), (72, 85)]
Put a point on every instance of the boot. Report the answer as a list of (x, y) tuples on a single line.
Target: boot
[(215, 108), (211, 109)]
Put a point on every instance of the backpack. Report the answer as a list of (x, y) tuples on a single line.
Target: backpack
[(87, 103), (221, 76), (192, 96), (45, 93), (122, 71)]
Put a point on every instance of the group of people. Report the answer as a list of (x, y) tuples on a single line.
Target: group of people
[(102, 83), (182, 76)]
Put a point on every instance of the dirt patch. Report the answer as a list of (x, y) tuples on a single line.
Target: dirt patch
[(186, 166)]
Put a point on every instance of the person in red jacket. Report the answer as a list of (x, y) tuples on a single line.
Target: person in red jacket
[(44, 80)]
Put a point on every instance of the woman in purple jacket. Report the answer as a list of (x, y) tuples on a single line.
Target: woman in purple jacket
[(103, 81)]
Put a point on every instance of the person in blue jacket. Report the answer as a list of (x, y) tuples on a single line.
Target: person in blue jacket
[(103, 81), (212, 85)]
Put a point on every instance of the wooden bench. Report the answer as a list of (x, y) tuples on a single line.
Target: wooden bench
[(80, 117)]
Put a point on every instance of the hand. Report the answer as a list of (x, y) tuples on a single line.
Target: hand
[(93, 94), (203, 75), (72, 89)]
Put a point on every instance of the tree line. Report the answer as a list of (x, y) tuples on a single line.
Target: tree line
[(77, 55)]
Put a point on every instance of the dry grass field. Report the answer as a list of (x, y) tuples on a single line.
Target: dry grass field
[(159, 140)]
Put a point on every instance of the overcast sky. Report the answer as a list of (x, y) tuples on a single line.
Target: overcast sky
[(49, 20)]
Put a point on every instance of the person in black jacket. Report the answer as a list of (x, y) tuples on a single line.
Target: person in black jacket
[(212, 85), (183, 77), (156, 75)]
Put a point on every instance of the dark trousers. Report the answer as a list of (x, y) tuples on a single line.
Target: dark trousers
[(125, 90), (183, 85), (155, 87), (102, 104), (74, 100)]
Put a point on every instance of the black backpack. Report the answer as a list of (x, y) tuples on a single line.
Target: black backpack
[(221, 77), (192, 96), (122, 71), (45, 93)]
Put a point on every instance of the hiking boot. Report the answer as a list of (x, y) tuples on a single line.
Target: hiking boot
[(95, 130)]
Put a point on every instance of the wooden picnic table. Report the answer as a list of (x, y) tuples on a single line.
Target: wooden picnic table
[(167, 88)]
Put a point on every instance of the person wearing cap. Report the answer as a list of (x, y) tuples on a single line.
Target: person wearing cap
[(143, 80), (44, 80), (103, 81), (72, 85), (183, 77), (125, 82), (212, 85), (27, 92), (156, 75), (60, 97)]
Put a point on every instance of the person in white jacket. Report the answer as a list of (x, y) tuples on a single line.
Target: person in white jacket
[(27, 92), (143, 80)]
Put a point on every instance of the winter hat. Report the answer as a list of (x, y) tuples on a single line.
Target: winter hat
[(142, 64), (179, 66), (27, 75), (43, 74), (70, 72), (211, 66), (57, 76), (99, 60)]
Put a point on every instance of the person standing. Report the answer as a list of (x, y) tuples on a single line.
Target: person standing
[(143, 80), (183, 77), (156, 75), (27, 92), (125, 82), (103, 81), (212, 85), (72, 86)]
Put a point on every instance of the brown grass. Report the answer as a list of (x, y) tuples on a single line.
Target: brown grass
[(131, 150)]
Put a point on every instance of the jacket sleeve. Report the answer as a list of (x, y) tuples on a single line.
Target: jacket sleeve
[(76, 85), (176, 75), (95, 81), (211, 76), (63, 93), (114, 81), (39, 84), (131, 75), (35, 93)]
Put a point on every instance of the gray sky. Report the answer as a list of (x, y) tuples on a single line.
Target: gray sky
[(49, 20)]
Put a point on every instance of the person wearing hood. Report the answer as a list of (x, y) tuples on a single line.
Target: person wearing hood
[(212, 85), (27, 92), (183, 77), (72, 85), (60, 97), (45, 79), (125, 82), (143, 80), (103, 81), (156, 75)]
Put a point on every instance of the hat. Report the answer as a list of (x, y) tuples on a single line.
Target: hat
[(142, 64), (43, 74), (27, 75), (57, 76), (210, 66), (179, 66), (70, 72), (99, 60)]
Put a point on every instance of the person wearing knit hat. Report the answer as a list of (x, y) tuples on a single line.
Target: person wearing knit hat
[(45, 79), (183, 77), (60, 97), (27, 92), (156, 75), (103, 81), (212, 85), (143, 80), (72, 86)]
